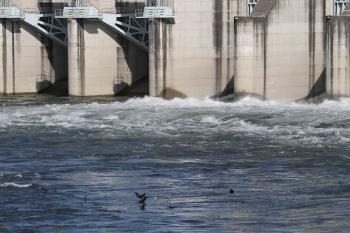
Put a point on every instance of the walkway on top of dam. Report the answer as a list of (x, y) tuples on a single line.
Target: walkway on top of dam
[(131, 23)]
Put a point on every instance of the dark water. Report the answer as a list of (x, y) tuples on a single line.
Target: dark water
[(289, 165)]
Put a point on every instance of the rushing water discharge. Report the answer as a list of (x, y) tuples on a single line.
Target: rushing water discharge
[(73, 165)]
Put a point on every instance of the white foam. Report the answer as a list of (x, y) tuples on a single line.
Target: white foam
[(19, 175), (211, 120), (156, 116), (15, 185)]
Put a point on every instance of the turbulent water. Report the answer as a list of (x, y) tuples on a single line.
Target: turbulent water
[(73, 165)]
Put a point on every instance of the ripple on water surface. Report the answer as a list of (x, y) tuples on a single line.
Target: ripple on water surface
[(74, 165)]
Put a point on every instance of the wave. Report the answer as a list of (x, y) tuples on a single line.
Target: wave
[(14, 185), (19, 175), (328, 120)]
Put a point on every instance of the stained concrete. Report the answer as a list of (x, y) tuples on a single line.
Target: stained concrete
[(101, 62), (280, 52), (338, 58), (213, 48), (30, 62), (195, 55)]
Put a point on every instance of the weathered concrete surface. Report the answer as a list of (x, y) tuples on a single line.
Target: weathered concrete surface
[(100, 62), (338, 58), (329, 6), (250, 62), (280, 55), (29, 62), (277, 53), (194, 56)]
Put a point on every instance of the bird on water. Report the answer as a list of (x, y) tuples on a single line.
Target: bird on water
[(142, 197)]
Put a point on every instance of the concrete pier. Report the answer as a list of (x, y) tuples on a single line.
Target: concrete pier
[(100, 61), (29, 62), (195, 55), (338, 54), (280, 50)]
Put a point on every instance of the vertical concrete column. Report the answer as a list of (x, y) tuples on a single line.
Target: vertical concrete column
[(223, 33), (76, 57), (195, 55), (293, 50), (3, 51), (101, 62), (338, 56), (28, 63), (250, 51), (160, 57), (7, 74)]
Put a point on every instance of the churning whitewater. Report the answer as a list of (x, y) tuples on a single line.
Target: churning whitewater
[(291, 123), (74, 164)]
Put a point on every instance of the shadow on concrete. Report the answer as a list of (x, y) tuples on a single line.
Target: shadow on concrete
[(138, 88), (42, 85), (229, 89), (319, 87), (130, 6), (136, 61), (86, 25), (59, 88), (57, 55)]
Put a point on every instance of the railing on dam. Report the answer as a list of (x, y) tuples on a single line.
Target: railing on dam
[(83, 9), (160, 3), (157, 9), (130, 22), (339, 6), (10, 13), (10, 3), (81, 3), (41, 19), (10, 9), (251, 6), (80, 12)]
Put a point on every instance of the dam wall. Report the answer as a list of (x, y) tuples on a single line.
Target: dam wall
[(338, 54), (29, 62), (194, 56), (280, 50), (100, 61)]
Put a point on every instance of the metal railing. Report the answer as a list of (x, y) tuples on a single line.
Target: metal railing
[(139, 13), (82, 3), (77, 12), (10, 9), (10, 13), (160, 3), (10, 3), (156, 9), (155, 12), (339, 6), (251, 5)]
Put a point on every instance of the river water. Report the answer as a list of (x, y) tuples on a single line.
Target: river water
[(73, 165)]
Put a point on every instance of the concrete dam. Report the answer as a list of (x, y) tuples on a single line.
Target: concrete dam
[(281, 50)]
